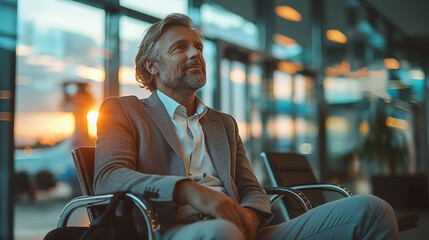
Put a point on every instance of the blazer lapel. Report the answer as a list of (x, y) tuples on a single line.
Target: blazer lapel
[(159, 115), (218, 147)]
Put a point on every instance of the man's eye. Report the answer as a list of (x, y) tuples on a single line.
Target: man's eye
[(179, 47)]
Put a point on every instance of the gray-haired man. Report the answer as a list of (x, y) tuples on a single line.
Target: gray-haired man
[(195, 160)]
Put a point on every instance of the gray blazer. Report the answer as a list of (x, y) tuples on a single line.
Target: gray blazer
[(138, 150)]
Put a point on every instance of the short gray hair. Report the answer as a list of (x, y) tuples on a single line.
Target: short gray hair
[(149, 45)]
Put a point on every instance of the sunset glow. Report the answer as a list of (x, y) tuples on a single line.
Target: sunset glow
[(92, 123)]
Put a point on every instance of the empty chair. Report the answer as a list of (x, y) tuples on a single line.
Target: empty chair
[(293, 170)]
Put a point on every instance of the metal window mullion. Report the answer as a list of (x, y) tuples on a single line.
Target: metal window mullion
[(8, 38), (111, 83), (425, 67), (318, 55)]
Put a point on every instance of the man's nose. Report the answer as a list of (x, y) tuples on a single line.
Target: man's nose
[(193, 52)]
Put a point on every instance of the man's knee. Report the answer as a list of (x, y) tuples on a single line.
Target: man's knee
[(375, 210), (222, 229), (373, 203)]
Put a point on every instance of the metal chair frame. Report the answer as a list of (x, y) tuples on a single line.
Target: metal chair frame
[(144, 205)]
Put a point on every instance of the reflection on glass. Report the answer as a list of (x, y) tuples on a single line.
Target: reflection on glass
[(391, 63), (238, 99), (130, 34), (289, 67), (337, 124), (281, 127), (208, 91), (282, 88), (283, 40), (54, 48), (255, 82), (283, 51), (301, 87), (305, 148), (256, 124), (225, 101), (237, 75), (374, 38), (336, 36), (158, 8), (288, 13), (416, 80), (220, 23), (342, 90)]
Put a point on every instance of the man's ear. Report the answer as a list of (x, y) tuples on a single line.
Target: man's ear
[(151, 66)]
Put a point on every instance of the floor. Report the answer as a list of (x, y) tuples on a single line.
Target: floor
[(422, 229)]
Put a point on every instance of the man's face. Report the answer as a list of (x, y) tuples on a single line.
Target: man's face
[(180, 60)]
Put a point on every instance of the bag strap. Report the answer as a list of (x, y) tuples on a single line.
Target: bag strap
[(110, 211), (107, 216)]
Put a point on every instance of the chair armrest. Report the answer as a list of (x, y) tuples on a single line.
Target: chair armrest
[(287, 191), (142, 205), (323, 186)]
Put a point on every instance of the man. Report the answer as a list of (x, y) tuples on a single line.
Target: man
[(192, 160)]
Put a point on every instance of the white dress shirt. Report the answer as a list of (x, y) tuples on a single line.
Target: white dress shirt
[(197, 160)]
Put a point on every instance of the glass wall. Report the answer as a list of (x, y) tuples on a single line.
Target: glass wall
[(291, 39), (218, 22), (373, 88), (158, 8), (59, 82), (131, 32)]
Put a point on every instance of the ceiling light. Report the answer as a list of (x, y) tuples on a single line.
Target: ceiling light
[(283, 40), (288, 13), (336, 36), (391, 63)]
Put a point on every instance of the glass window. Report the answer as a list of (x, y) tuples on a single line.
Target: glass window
[(59, 81), (218, 22), (208, 91), (158, 8), (233, 93), (292, 30), (131, 33)]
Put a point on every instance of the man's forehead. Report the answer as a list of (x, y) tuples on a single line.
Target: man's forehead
[(176, 33)]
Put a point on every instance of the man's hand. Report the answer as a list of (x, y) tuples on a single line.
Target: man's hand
[(217, 204), (250, 221)]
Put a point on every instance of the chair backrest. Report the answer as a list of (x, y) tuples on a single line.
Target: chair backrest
[(83, 158), (288, 169)]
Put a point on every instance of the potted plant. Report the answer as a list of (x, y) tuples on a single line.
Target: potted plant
[(387, 148), (385, 145)]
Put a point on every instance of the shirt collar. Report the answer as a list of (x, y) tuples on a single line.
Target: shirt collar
[(174, 107)]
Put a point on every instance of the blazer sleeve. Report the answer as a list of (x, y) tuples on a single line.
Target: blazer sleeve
[(117, 152), (252, 194)]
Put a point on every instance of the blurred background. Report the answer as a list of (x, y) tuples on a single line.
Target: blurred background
[(343, 82)]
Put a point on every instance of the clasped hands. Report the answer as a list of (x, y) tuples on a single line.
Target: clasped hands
[(218, 205)]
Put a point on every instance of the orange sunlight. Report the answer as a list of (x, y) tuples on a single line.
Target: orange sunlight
[(44, 127), (92, 123)]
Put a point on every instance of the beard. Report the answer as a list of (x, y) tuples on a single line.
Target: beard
[(183, 78)]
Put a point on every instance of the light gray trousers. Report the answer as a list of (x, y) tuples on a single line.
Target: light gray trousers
[(357, 217)]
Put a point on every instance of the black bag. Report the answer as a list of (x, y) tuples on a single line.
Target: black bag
[(109, 226), (116, 222)]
